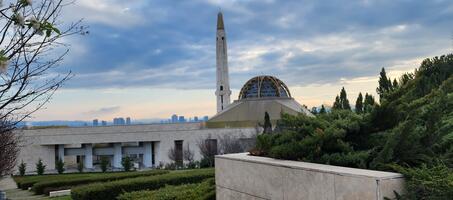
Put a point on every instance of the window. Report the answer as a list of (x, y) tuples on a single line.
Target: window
[(223, 38), (221, 88), (178, 152), (212, 146)]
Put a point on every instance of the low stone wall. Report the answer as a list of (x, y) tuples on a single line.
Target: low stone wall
[(240, 176)]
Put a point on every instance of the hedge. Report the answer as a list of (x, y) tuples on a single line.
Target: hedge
[(24, 182), (45, 187), (200, 191), (110, 190)]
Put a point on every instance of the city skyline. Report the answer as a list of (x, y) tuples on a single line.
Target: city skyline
[(148, 63)]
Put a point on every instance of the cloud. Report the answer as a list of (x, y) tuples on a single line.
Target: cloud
[(103, 111)]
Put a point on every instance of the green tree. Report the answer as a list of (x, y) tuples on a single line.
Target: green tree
[(369, 103), (385, 84), (344, 100), (59, 165), (22, 168), (359, 104), (314, 110), (127, 163), (337, 104), (267, 123), (394, 84), (40, 167), (104, 163), (323, 110)]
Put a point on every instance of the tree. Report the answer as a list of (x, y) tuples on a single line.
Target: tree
[(22, 168), (267, 123), (314, 110), (104, 163), (385, 84), (323, 110), (359, 104), (59, 165), (230, 144), (40, 167), (31, 46), (369, 103), (337, 104), (188, 154), (394, 84), (344, 100), (208, 150), (127, 163)]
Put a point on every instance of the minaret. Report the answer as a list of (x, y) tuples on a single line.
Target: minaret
[(223, 91)]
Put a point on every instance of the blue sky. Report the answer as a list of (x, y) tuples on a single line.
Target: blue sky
[(150, 59)]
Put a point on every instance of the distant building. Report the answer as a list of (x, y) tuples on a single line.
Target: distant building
[(95, 122), (174, 118), (128, 121), (181, 119), (205, 118), (195, 119), (104, 123), (119, 121)]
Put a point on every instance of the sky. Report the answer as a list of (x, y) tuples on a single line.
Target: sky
[(151, 59)]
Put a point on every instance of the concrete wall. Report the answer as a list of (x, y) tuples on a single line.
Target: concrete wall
[(239, 176), (40, 143)]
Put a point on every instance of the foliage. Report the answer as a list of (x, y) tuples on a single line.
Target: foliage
[(59, 165), (201, 191), (342, 102), (267, 123), (110, 190), (104, 163), (44, 187), (40, 167), (22, 168), (127, 163), (412, 126), (208, 150), (323, 110), (359, 104)]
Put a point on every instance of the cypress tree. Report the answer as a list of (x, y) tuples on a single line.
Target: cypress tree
[(323, 110), (395, 84), (336, 104), (344, 102), (267, 123), (359, 104), (368, 104), (385, 84)]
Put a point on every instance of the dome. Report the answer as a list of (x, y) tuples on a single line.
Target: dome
[(264, 86)]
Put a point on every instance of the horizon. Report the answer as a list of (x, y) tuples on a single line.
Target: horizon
[(154, 59)]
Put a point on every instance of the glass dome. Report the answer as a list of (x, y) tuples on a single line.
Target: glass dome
[(264, 86)]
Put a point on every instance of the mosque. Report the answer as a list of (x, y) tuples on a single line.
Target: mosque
[(149, 145)]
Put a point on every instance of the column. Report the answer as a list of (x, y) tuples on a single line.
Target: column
[(156, 154), (61, 152), (88, 156), (117, 155), (147, 154)]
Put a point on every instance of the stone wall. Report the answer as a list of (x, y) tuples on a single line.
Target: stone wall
[(240, 176)]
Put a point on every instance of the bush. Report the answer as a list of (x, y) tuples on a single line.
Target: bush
[(200, 191), (127, 163), (112, 189), (59, 166), (45, 187), (40, 167), (22, 168), (104, 163)]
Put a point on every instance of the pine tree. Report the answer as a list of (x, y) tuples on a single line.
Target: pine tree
[(314, 110), (323, 110), (336, 104), (385, 84), (59, 166), (267, 123), (344, 102), (40, 167), (395, 84), (368, 104), (359, 104)]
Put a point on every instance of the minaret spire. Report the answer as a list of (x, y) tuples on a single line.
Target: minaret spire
[(223, 91)]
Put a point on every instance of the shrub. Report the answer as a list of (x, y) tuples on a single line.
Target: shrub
[(127, 163), (22, 168), (59, 166), (104, 164), (200, 191), (112, 189), (45, 187), (80, 167), (40, 167)]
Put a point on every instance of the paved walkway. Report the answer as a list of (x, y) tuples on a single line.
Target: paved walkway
[(18, 194), (7, 183)]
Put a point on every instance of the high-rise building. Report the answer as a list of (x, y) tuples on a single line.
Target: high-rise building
[(174, 118), (104, 123), (128, 121), (119, 121), (181, 119), (223, 91), (205, 118), (195, 119), (95, 122)]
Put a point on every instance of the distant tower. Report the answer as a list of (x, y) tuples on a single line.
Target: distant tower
[(223, 91)]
